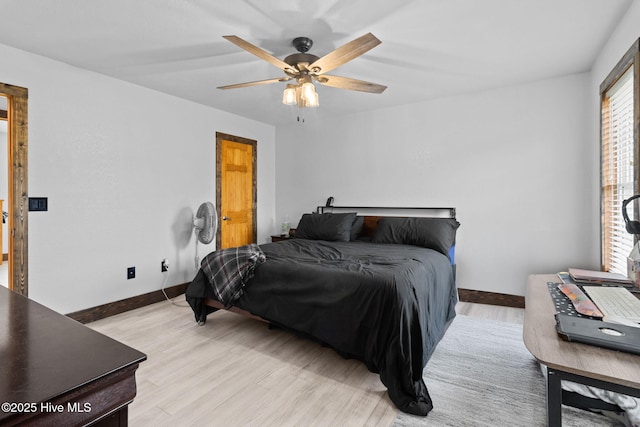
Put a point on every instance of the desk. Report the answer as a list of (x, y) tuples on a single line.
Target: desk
[(580, 363), (56, 371)]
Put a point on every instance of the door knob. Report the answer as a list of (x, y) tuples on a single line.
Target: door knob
[(226, 218)]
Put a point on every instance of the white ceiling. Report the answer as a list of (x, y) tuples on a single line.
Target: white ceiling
[(430, 48)]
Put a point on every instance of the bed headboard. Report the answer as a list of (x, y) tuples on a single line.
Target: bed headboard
[(372, 214)]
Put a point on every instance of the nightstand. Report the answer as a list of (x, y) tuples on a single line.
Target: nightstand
[(279, 238)]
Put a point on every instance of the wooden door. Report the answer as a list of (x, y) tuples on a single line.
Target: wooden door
[(17, 204), (236, 190)]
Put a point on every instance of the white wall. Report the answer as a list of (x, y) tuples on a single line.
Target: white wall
[(124, 168), (513, 161)]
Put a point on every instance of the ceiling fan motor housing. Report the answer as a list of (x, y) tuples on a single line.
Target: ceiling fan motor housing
[(298, 58), (302, 45)]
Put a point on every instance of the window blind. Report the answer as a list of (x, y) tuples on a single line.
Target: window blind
[(618, 171)]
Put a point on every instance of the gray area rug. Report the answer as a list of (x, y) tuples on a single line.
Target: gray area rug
[(481, 374)]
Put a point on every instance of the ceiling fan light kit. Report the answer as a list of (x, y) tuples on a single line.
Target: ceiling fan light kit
[(303, 95), (305, 68)]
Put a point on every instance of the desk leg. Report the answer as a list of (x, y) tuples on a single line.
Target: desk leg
[(554, 399)]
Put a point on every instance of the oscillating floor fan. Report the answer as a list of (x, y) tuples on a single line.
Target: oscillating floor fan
[(205, 225)]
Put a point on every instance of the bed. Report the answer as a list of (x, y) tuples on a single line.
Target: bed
[(373, 287)]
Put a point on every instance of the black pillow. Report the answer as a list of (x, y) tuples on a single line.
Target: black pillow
[(433, 233), (356, 227), (329, 226)]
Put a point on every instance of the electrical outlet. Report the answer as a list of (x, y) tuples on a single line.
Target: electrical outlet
[(131, 273), (164, 265)]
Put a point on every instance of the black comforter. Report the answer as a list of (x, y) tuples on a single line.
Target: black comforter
[(385, 304)]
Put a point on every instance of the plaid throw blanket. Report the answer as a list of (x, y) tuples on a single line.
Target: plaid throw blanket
[(228, 270)]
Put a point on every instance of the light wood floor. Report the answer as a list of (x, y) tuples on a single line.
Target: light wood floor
[(234, 371)]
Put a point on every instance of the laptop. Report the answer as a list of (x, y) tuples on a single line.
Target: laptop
[(599, 333)]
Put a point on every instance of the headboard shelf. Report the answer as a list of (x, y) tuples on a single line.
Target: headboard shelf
[(445, 212)]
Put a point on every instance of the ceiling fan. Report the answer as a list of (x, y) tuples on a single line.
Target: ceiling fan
[(305, 68)]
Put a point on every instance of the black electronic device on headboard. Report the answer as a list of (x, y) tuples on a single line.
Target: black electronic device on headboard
[(329, 202)]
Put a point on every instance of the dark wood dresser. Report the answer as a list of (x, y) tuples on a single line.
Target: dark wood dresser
[(56, 371)]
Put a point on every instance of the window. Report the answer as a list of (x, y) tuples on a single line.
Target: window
[(619, 158)]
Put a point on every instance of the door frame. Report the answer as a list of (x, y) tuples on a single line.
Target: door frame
[(254, 181), (17, 101)]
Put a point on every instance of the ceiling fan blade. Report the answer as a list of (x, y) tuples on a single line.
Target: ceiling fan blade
[(345, 53), (256, 83), (350, 84), (262, 54)]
